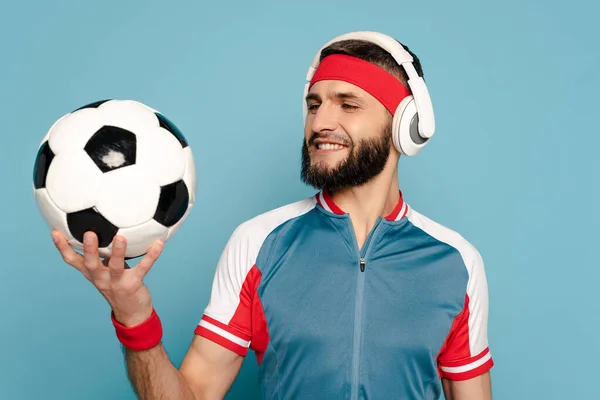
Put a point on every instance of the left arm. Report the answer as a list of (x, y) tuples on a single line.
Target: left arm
[(478, 388), (465, 359)]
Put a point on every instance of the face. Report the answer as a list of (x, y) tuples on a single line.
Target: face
[(347, 136)]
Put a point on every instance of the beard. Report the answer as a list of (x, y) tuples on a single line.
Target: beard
[(364, 161)]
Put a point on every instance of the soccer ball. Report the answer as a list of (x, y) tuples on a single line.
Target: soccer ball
[(115, 167)]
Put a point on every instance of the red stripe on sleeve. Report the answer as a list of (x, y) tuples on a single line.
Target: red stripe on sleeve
[(460, 363)]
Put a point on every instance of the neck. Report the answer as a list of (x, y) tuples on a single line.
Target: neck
[(366, 203)]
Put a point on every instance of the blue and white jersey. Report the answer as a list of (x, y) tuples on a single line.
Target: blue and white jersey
[(328, 320)]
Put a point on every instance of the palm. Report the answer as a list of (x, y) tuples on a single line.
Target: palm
[(121, 286)]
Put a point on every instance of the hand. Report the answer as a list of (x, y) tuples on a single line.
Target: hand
[(121, 286)]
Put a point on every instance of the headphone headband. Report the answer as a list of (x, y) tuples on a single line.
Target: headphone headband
[(426, 124)]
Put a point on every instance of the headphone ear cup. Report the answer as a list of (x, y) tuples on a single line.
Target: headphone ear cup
[(405, 128)]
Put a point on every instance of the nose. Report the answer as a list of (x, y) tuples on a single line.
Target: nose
[(323, 119)]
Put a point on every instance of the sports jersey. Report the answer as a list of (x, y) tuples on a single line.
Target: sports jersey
[(328, 320)]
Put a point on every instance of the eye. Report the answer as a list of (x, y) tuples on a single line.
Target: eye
[(349, 106), (312, 107)]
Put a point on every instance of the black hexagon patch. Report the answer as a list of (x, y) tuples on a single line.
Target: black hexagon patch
[(112, 147)]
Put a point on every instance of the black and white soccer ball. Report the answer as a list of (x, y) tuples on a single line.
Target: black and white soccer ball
[(115, 167)]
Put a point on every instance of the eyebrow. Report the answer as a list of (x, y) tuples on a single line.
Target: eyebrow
[(337, 95)]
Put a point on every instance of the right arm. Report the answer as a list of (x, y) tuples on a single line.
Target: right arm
[(207, 372), (208, 369)]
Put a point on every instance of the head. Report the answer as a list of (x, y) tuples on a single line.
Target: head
[(347, 135)]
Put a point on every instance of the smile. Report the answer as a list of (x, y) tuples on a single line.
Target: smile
[(329, 146)]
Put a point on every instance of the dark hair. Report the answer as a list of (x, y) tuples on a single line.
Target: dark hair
[(372, 53)]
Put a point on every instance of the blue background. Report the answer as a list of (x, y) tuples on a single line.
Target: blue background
[(513, 166)]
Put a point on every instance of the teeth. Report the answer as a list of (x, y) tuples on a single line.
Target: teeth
[(329, 146)]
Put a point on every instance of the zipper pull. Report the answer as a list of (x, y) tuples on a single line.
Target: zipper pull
[(362, 264)]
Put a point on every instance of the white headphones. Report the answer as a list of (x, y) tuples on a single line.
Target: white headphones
[(413, 123)]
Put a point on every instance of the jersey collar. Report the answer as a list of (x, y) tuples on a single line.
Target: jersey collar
[(325, 200)]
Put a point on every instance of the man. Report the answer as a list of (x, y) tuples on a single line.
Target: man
[(348, 294)]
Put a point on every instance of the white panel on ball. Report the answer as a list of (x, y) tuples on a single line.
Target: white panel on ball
[(47, 136), (142, 237), (129, 115), (161, 156), (73, 181), (189, 177), (128, 196), (72, 131), (52, 215)]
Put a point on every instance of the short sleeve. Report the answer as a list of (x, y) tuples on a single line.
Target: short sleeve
[(227, 319), (466, 353)]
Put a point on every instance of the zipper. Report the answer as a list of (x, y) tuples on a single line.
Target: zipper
[(358, 309)]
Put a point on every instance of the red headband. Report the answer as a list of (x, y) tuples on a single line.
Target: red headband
[(373, 79)]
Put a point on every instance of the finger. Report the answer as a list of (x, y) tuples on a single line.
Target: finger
[(150, 258), (105, 263), (91, 257), (69, 255), (116, 263)]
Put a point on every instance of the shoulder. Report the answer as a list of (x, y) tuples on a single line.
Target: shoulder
[(254, 231), (470, 254)]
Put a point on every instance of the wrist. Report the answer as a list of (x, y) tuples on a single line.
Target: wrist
[(131, 320), (140, 336)]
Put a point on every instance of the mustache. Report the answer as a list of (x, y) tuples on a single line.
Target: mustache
[(335, 137)]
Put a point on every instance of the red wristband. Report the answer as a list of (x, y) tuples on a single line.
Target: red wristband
[(139, 337)]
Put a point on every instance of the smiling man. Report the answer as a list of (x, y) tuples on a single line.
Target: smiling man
[(416, 267), (348, 294)]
